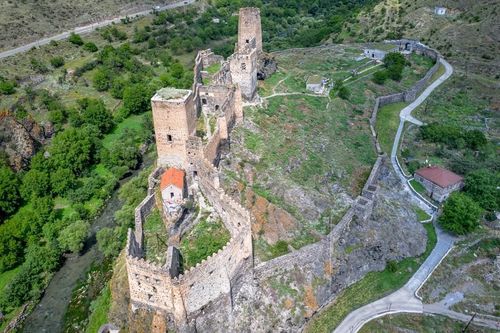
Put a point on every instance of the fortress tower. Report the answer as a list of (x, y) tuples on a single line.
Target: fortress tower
[(174, 118), (249, 29), (243, 68)]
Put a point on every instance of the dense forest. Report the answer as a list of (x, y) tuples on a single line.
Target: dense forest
[(46, 210)]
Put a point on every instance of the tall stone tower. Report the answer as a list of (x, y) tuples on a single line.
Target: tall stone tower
[(174, 118), (249, 29), (243, 67)]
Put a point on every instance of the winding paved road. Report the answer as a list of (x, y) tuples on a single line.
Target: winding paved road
[(405, 299), (88, 28)]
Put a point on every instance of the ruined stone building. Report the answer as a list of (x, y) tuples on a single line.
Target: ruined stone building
[(190, 127)]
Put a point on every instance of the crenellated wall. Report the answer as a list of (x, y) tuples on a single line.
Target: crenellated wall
[(182, 296)]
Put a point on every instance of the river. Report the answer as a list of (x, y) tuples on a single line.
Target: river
[(49, 313)]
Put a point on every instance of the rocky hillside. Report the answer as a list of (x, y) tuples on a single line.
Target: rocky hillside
[(19, 139), (22, 22), (468, 34)]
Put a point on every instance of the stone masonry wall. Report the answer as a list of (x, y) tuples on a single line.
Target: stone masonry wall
[(411, 94), (249, 28), (243, 68), (152, 286)]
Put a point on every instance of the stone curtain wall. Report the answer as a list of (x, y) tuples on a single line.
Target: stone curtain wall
[(151, 285), (141, 212), (411, 94), (223, 76), (324, 248)]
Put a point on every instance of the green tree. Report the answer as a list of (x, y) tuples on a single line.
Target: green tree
[(75, 39), (482, 186), (9, 191), (394, 63), (35, 183), (136, 99), (109, 242), (73, 236), (344, 92), (101, 79), (74, 149), (94, 112), (62, 180), (460, 214)]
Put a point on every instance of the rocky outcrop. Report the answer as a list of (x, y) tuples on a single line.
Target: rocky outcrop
[(266, 66), (20, 139), (282, 299)]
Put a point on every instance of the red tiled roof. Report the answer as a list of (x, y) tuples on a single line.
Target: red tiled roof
[(439, 176), (174, 177)]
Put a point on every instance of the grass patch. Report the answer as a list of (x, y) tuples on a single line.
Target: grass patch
[(206, 238), (418, 187), (7, 276), (134, 122), (421, 214), (387, 124), (418, 323), (100, 308), (213, 68), (155, 238), (373, 286)]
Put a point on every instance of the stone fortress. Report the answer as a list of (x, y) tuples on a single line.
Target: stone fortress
[(176, 115), (215, 104)]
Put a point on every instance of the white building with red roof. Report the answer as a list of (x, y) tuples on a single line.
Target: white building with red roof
[(439, 182), (173, 188)]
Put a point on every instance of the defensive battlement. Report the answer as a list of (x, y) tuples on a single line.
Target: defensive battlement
[(171, 95)]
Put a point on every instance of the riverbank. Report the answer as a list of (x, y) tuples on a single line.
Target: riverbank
[(48, 314)]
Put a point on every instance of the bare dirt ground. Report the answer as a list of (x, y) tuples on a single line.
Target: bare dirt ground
[(22, 22)]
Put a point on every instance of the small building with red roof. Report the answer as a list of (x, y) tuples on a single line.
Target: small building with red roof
[(439, 182), (173, 186)]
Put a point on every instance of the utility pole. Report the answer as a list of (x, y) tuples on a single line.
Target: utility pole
[(470, 321)]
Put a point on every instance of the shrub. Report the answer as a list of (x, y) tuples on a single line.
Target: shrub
[(392, 266), (380, 77), (109, 241), (89, 46), (7, 87), (75, 39), (38, 66), (279, 249), (57, 62), (344, 92)]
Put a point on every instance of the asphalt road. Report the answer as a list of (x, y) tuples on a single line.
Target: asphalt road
[(404, 299), (88, 28)]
